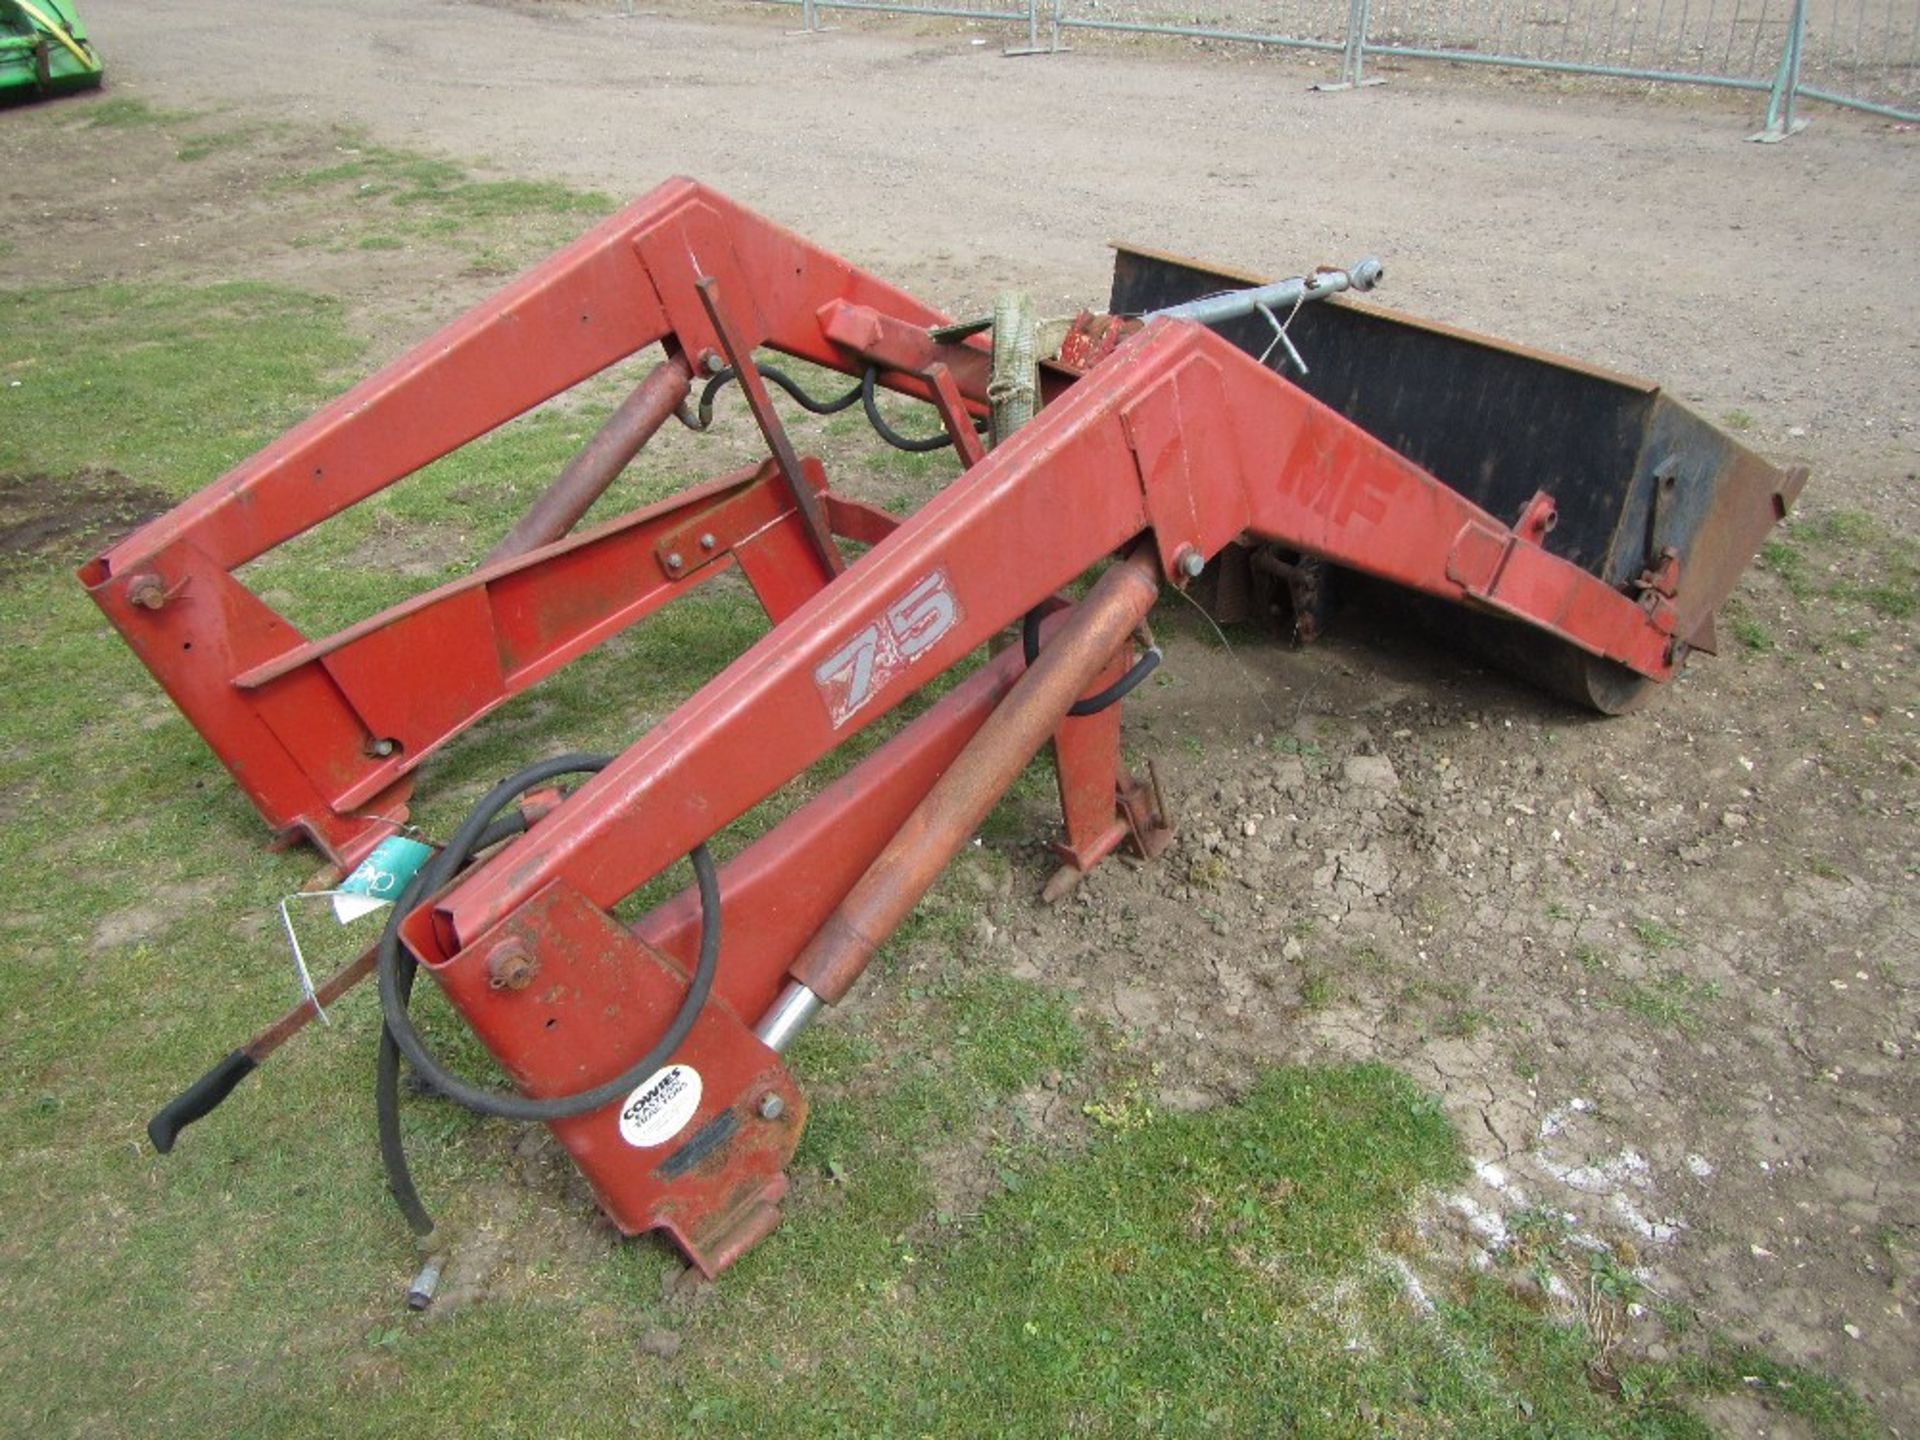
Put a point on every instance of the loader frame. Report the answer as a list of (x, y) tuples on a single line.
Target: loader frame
[(1165, 448)]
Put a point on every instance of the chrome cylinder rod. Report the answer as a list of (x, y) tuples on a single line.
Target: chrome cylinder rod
[(1280, 296)]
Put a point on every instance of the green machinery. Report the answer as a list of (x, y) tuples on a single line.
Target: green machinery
[(44, 50)]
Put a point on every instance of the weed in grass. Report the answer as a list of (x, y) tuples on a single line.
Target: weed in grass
[(1369, 960), (474, 200), (1853, 528), (1463, 1023), (1737, 420), (490, 260), (123, 112), (1893, 599), (1670, 1000), (410, 180), (199, 147), (1124, 1108), (1318, 989), (381, 242), (1308, 750), (1534, 1231), (1784, 558), (1834, 1412), (1208, 871), (1877, 569), (1656, 935), (1752, 634)]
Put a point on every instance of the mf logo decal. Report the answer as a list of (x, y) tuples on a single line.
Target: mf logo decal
[(870, 661)]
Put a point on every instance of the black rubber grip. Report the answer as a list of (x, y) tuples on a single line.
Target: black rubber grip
[(202, 1097)]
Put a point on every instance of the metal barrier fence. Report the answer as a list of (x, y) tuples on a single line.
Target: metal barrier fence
[(1861, 54)]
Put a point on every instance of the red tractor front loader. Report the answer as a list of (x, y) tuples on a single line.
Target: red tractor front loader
[(1584, 526)]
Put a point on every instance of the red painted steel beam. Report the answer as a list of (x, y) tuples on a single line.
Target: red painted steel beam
[(597, 997), (1177, 432), (625, 285), (323, 735), (302, 749), (972, 785)]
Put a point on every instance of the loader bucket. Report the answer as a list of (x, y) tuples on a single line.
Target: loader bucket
[(1633, 473)]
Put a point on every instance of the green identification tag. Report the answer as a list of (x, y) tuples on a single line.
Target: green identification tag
[(380, 878)]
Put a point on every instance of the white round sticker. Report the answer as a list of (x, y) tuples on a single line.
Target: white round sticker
[(660, 1107)]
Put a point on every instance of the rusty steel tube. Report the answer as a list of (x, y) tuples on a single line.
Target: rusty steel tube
[(600, 460), (953, 809)]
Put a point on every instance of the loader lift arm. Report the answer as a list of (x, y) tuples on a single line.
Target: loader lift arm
[(1178, 442)]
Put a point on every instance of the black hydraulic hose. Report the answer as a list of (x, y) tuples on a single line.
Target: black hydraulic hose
[(1114, 693), (396, 973), (722, 378), (518, 1107), (386, 1109), (386, 1076), (864, 391), (886, 432)]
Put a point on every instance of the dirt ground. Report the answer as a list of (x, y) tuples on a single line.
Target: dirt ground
[(1662, 968)]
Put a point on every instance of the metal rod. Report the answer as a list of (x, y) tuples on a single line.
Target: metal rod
[(1868, 107), (426, 1284), (813, 514), (1353, 67), (1190, 32), (1568, 67), (1786, 81), (790, 1014), (939, 826), (1282, 294), (599, 462), (944, 12)]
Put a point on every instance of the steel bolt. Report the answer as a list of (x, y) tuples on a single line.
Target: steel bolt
[(772, 1107), (511, 966), (147, 592), (707, 542), (1191, 562), (674, 562), (715, 362), (381, 749)]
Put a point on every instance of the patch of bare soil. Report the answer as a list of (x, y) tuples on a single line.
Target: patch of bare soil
[(1659, 967), (70, 516)]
